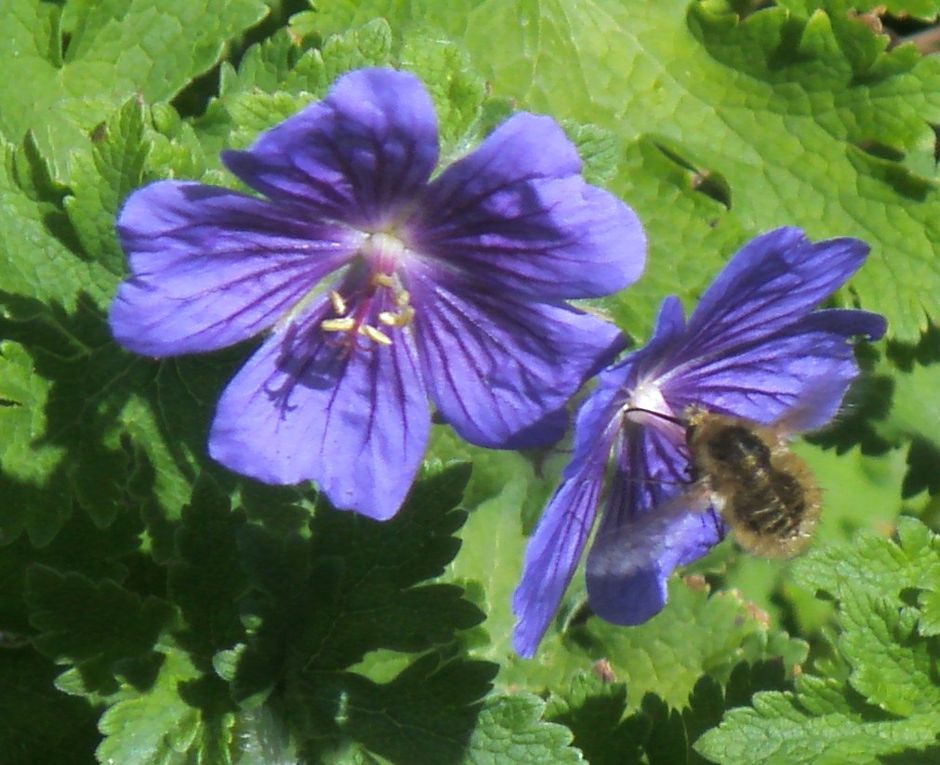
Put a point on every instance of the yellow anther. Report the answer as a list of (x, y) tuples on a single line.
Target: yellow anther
[(403, 298), (382, 280), (338, 325), (339, 305), (389, 318), (375, 335), (406, 315)]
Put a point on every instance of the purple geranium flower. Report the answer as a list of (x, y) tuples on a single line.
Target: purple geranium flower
[(754, 348), (379, 288)]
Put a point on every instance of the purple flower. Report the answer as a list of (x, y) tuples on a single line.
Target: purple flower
[(755, 348), (379, 288)]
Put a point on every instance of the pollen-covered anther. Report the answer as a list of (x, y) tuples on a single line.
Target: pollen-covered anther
[(380, 279), (400, 319), (375, 335), (338, 325), (339, 305)]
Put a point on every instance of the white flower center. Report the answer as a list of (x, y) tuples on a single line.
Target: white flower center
[(648, 407), (383, 301)]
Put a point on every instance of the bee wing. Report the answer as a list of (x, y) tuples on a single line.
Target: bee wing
[(628, 565), (813, 408)]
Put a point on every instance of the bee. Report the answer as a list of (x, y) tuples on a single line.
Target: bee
[(765, 493), (745, 471)]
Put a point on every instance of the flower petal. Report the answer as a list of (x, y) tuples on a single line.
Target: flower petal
[(650, 527), (552, 556), (598, 418), (772, 281), (628, 571), (495, 367), (515, 215), (211, 267), (305, 407), (357, 156), (801, 373)]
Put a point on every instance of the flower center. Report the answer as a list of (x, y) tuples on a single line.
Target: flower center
[(646, 402), (375, 302)]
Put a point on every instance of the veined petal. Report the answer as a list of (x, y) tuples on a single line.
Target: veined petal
[(800, 373), (211, 267), (598, 418), (495, 367), (552, 556), (628, 571), (305, 407), (516, 216), (771, 281), (647, 531), (358, 156)]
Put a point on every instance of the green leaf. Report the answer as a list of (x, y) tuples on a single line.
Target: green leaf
[(100, 180), (103, 630), (930, 613), (777, 731), (109, 426), (164, 721), (874, 564), (25, 462), (81, 547), (509, 730), (888, 704), (39, 255), (354, 586), (596, 712), (610, 732), (206, 579), (925, 10), (37, 723), (275, 79), (490, 559), (457, 90), (786, 115), (659, 657), (115, 49), (426, 715), (892, 668)]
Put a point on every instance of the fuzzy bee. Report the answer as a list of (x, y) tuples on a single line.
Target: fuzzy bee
[(766, 494)]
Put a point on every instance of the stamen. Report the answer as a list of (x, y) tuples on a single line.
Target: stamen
[(402, 298), (338, 325), (406, 315), (375, 335), (380, 279), (400, 319), (339, 305)]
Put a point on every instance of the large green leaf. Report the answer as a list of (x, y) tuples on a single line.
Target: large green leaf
[(783, 119), (106, 52)]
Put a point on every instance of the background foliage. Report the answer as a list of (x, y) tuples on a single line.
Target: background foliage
[(156, 609)]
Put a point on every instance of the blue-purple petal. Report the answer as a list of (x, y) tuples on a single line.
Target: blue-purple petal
[(628, 571), (516, 216), (773, 280), (305, 407), (800, 374), (359, 156), (495, 367), (211, 267), (651, 525), (552, 556), (597, 419)]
